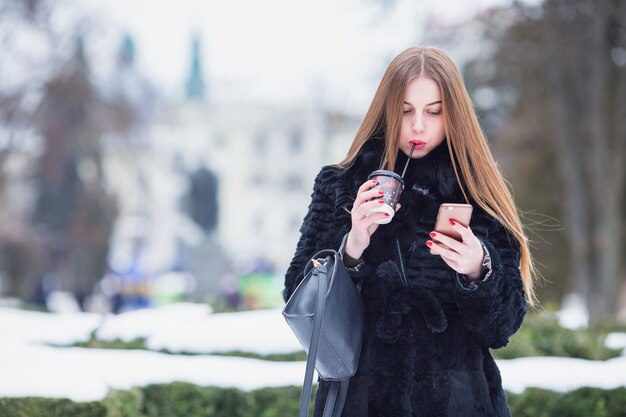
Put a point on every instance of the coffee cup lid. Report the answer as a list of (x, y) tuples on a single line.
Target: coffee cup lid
[(386, 173)]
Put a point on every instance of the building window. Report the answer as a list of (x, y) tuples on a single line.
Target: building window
[(295, 141), (219, 141), (257, 179), (257, 225), (293, 182), (260, 144)]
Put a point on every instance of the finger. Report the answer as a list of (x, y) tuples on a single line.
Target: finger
[(447, 240), (372, 218), (451, 262), (366, 186), (432, 246), (448, 256), (368, 195), (443, 251), (369, 222), (464, 231), (364, 208)]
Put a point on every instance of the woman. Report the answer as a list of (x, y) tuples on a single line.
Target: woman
[(426, 345)]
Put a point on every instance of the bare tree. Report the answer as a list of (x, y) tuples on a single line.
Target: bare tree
[(560, 74), (64, 237), (587, 94)]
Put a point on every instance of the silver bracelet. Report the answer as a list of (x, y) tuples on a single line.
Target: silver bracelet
[(486, 269)]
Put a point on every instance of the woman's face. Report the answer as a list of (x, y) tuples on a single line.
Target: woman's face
[(422, 121)]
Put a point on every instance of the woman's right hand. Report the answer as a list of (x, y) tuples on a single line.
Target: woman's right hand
[(364, 226)]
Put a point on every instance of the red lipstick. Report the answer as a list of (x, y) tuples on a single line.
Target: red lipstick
[(419, 144)]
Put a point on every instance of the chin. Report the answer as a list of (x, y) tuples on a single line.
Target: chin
[(418, 153)]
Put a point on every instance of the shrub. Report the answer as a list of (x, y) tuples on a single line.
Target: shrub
[(540, 335), (587, 402), (179, 400), (533, 402), (188, 400), (124, 403), (543, 336), (273, 402), (276, 357), (48, 407), (592, 402), (94, 342)]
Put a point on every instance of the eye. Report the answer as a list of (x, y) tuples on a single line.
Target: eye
[(435, 113), (407, 111)]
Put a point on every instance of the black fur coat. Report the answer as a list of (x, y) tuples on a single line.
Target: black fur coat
[(426, 346)]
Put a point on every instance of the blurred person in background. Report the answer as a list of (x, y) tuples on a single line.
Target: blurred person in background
[(426, 344)]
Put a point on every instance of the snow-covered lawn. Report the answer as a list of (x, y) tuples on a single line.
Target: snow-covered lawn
[(86, 374), (29, 366), (190, 328)]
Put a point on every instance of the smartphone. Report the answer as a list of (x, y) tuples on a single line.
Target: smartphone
[(460, 213)]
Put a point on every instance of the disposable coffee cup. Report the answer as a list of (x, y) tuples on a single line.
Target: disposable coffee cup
[(392, 185)]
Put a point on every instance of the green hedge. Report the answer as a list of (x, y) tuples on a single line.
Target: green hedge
[(583, 402), (45, 407), (540, 335), (187, 400), (125, 403), (543, 336)]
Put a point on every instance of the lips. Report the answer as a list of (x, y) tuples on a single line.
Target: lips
[(419, 144)]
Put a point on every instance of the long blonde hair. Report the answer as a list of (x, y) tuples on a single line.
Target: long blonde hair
[(467, 145)]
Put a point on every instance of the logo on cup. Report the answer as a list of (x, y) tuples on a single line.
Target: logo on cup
[(392, 185)]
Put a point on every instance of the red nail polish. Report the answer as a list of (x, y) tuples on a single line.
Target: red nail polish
[(381, 201), (432, 234), (429, 243), (386, 214), (381, 192), (452, 223)]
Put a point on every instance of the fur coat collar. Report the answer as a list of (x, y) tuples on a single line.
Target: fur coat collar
[(429, 181)]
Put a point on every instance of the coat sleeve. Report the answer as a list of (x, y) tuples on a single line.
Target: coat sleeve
[(493, 310), (324, 225)]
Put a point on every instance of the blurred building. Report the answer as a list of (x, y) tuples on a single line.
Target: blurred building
[(265, 158), (227, 181)]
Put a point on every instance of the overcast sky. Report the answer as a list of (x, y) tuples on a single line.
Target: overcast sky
[(272, 49)]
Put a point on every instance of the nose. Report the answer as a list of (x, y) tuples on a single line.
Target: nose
[(418, 124)]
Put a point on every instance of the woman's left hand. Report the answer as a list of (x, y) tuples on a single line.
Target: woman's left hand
[(465, 257)]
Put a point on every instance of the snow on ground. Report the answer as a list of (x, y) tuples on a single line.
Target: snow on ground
[(35, 327), (562, 374), (86, 374), (190, 328), (616, 341), (29, 367), (145, 322), (573, 313)]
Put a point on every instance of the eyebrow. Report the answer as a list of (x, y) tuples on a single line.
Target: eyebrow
[(429, 104)]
